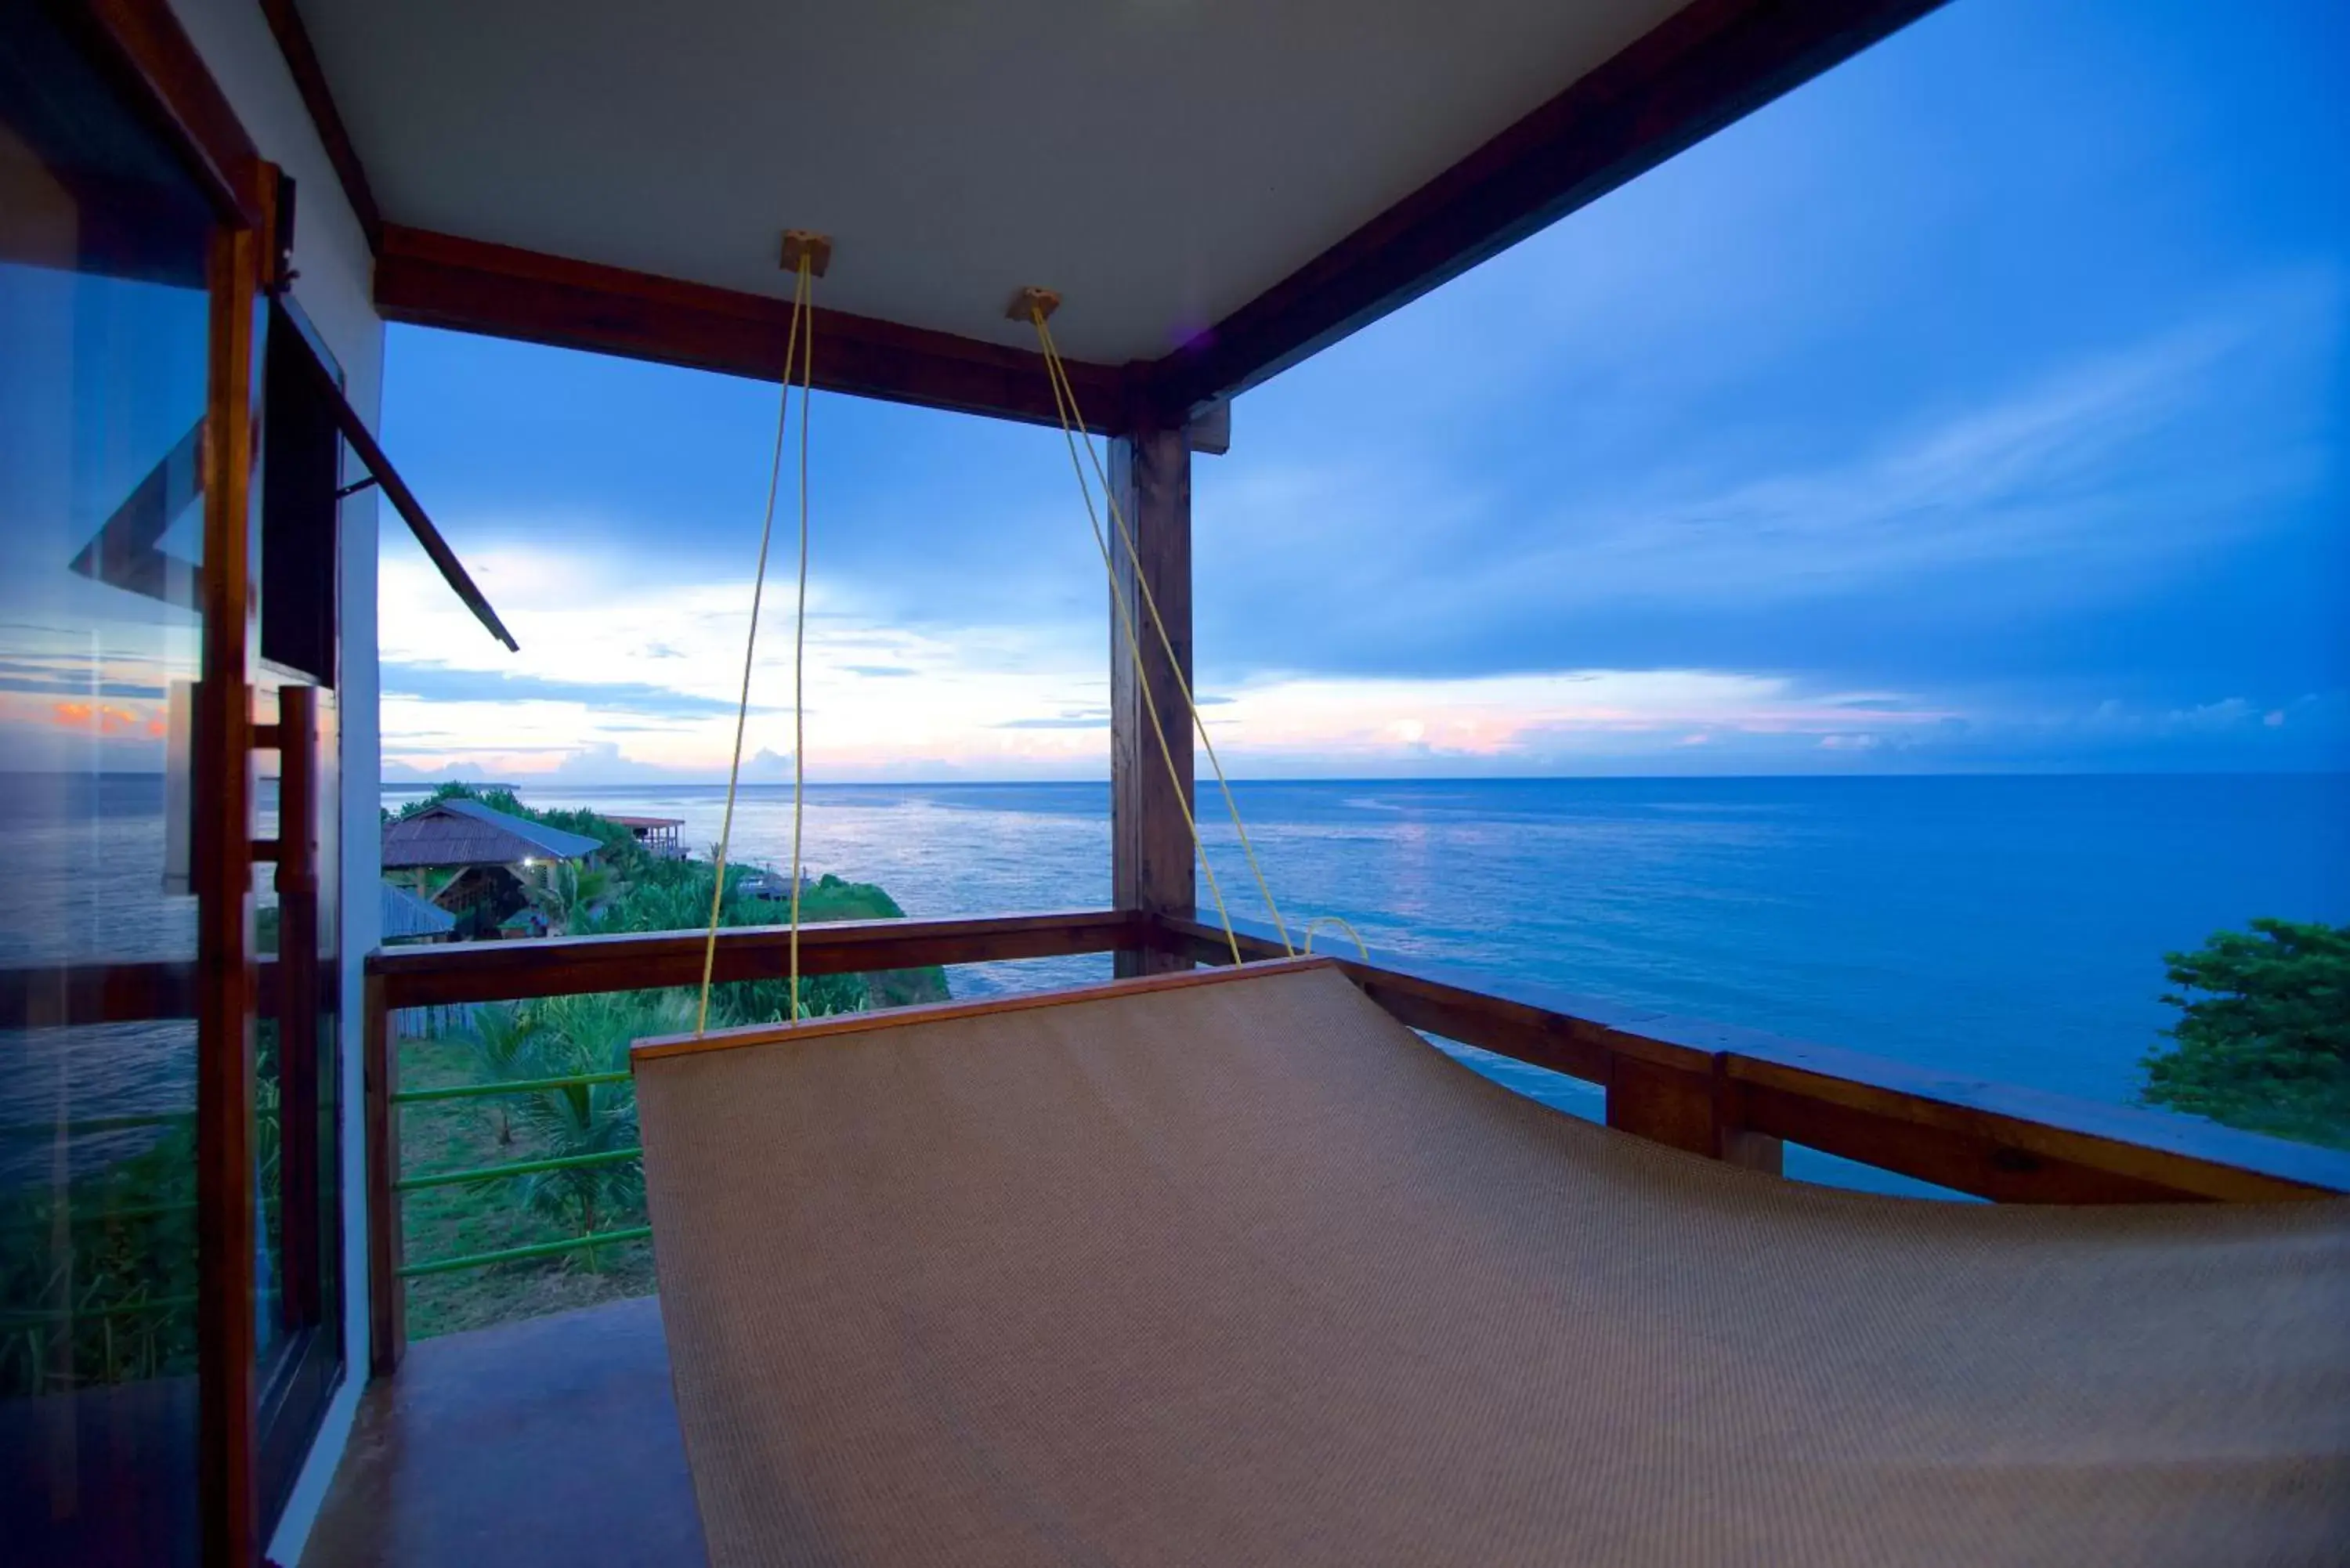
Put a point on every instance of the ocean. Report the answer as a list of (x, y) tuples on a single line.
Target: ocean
[(2008, 927)]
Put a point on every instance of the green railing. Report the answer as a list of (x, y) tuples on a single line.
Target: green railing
[(504, 1086), (514, 1168), (518, 1168), (535, 1249)]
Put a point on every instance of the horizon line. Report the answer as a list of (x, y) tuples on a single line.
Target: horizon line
[(518, 786)]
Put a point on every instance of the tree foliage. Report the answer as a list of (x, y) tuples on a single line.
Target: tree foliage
[(577, 1036), (114, 1300), (117, 1303), (2262, 1040), (573, 1037), (565, 892), (502, 1038)]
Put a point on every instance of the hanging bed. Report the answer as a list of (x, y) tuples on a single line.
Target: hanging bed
[(1230, 1267)]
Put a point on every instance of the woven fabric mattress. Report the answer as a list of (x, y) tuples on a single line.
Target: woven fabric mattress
[(1246, 1272)]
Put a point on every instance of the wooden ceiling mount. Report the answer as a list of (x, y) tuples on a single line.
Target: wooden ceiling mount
[(816, 248), (1032, 303)]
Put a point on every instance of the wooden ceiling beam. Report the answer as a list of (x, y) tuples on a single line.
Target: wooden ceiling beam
[(144, 46), (1710, 64), (470, 286), (310, 81)]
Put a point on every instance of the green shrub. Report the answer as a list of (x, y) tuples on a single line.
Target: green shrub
[(116, 1303), (2263, 1036)]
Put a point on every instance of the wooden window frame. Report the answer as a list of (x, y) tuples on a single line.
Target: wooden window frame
[(139, 47)]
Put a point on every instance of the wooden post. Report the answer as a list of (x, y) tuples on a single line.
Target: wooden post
[(1152, 864), (296, 1004), (387, 1294), (222, 862), (1701, 1112)]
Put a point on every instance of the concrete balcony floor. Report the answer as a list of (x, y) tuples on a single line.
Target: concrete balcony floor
[(549, 1441)]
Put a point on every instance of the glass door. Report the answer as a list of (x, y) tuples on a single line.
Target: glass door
[(171, 1285), (104, 315), (298, 1081)]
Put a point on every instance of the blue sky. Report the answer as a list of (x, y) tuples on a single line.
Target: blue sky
[(1980, 405)]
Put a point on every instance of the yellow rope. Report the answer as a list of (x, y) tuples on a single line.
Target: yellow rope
[(1150, 604), (1065, 405), (1320, 920), (751, 644), (799, 628)]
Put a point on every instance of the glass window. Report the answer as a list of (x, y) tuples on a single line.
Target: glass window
[(103, 340)]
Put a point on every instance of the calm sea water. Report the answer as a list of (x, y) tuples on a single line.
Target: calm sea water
[(2009, 928)]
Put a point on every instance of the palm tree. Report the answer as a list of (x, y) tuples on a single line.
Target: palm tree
[(503, 1039), (583, 1035), (566, 890)]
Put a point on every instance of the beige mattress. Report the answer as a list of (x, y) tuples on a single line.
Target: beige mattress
[(1246, 1272)]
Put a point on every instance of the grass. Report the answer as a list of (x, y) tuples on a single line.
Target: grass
[(636, 894), (484, 1217)]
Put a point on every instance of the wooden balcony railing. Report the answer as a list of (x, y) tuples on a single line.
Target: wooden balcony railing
[(1724, 1093), (459, 974), (1738, 1094)]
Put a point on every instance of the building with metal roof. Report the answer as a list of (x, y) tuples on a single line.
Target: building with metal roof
[(409, 918), (460, 832), (657, 834)]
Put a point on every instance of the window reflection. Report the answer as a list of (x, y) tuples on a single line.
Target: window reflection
[(103, 316)]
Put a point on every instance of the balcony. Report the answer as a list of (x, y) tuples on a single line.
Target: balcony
[(552, 1441), (556, 1440)]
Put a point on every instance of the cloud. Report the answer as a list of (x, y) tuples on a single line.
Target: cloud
[(577, 692), (1781, 457), (1528, 720), (596, 762), (2313, 718), (604, 763), (64, 684), (397, 770), (70, 672), (2109, 459), (442, 684), (2063, 517), (1068, 719)]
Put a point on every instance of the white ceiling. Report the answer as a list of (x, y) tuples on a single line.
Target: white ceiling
[(1159, 162)]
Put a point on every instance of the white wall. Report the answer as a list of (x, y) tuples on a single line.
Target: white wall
[(335, 288)]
